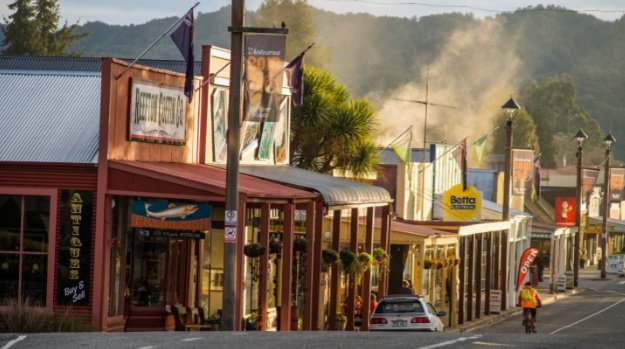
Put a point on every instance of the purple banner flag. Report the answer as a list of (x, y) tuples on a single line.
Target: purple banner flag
[(183, 38), (295, 74)]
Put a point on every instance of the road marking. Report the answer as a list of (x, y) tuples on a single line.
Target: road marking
[(148, 347), (442, 344), (10, 344), (493, 344), (622, 282), (587, 317), (191, 339)]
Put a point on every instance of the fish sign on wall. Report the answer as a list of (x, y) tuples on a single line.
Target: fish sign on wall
[(172, 216)]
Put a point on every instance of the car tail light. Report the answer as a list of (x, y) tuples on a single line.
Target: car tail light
[(420, 320), (378, 321)]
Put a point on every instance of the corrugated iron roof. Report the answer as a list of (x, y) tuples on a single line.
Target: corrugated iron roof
[(215, 177), (335, 191), (84, 64), (49, 117)]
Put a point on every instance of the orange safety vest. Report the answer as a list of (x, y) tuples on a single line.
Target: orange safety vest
[(531, 303)]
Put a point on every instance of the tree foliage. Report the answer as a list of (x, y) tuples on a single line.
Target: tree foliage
[(332, 130), (299, 18), (33, 30)]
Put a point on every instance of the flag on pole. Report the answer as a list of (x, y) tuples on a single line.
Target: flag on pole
[(183, 38), (479, 146), (295, 74), (402, 145)]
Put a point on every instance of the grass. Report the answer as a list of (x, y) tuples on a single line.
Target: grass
[(26, 317)]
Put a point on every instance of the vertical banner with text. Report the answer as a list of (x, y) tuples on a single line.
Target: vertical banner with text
[(264, 71), (617, 177), (589, 179), (522, 171)]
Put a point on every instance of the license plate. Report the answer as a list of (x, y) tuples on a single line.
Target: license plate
[(399, 323)]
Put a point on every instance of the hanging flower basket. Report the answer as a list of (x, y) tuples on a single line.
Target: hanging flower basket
[(329, 257), (275, 246), (300, 244), (454, 261), (438, 264), (428, 263), (380, 259), (254, 250)]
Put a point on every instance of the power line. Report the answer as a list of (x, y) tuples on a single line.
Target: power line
[(475, 8)]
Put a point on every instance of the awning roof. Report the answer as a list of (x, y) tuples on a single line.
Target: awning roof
[(211, 179), (335, 191), (613, 225)]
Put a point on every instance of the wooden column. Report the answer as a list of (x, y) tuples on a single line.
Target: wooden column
[(470, 278), (366, 294), (478, 277), (489, 271), (287, 266), (335, 292), (385, 244), (504, 270), (264, 265), (351, 285), (453, 298), (313, 261), (462, 291), (316, 270)]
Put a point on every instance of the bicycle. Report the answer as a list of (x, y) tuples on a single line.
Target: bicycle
[(528, 321)]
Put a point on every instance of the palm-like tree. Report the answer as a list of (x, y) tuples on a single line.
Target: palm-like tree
[(330, 130)]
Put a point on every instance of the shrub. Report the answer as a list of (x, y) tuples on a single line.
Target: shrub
[(31, 318)]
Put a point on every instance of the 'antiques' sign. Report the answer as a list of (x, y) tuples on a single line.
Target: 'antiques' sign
[(74, 266), (158, 112), (170, 216)]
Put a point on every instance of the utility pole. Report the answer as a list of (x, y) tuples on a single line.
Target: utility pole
[(232, 168)]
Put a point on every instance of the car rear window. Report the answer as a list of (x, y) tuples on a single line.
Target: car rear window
[(399, 306)]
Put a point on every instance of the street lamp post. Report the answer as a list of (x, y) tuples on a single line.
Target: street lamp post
[(608, 140), (580, 137), (510, 109)]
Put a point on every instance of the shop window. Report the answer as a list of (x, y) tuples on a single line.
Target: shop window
[(24, 229), (149, 270)]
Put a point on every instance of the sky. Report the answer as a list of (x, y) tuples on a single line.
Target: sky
[(126, 12)]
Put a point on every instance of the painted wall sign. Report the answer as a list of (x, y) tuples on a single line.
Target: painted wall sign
[(566, 211), (158, 113), (74, 264), (462, 205), (171, 216)]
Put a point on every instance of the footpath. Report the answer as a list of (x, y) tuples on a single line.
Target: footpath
[(586, 274)]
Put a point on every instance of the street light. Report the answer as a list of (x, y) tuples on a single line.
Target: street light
[(608, 140), (580, 137), (510, 109)]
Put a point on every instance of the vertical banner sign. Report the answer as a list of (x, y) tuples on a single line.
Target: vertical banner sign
[(589, 178), (617, 177), (566, 211), (522, 171), (264, 70), (74, 264), (527, 259)]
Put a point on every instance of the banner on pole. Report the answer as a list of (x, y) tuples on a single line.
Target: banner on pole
[(262, 80), (522, 171)]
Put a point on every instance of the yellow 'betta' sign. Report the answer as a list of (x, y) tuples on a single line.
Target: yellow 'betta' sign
[(462, 206)]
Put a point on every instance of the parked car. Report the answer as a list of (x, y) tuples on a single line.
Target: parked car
[(406, 313)]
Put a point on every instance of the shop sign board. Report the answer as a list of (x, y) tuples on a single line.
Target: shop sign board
[(462, 205), (495, 301), (170, 216), (74, 261), (158, 112)]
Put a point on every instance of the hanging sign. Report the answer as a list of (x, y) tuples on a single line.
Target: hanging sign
[(566, 211), (522, 171), (264, 70), (462, 205)]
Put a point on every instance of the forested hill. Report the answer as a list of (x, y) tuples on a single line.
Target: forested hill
[(473, 64)]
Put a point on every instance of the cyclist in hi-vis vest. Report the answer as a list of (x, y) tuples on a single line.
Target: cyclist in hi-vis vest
[(530, 299)]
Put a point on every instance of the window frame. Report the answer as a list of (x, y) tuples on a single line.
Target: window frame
[(53, 194)]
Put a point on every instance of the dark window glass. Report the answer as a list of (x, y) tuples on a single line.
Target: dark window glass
[(9, 275)]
